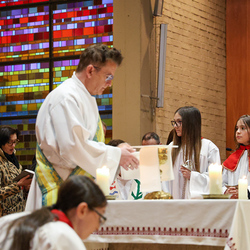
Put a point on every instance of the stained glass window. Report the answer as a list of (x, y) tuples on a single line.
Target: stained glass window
[(40, 44)]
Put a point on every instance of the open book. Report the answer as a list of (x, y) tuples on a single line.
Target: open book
[(24, 173)]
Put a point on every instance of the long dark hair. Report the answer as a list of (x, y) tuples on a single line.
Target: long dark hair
[(246, 120), (190, 140), (73, 191)]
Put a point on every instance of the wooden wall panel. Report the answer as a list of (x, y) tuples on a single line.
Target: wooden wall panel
[(238, 68)]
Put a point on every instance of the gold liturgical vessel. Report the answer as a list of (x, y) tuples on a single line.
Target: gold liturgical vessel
[(160, 195)]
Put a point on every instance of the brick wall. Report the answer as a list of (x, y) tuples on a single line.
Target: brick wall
[(195, 65)]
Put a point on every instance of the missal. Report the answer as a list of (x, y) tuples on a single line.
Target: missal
[(24, 173)]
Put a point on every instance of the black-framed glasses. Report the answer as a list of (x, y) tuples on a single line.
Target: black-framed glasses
[(108, 77), (176, 123), (10, 143), (102, 218)]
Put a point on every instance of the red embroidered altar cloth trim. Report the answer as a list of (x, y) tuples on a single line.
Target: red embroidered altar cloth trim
[(196, 222)]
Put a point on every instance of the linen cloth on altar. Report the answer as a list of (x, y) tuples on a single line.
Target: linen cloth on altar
[(239, 237), (65, 129), (167, 222), (54, 235), (199, 181)]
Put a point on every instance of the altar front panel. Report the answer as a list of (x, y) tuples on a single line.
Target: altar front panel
[(194, 222)]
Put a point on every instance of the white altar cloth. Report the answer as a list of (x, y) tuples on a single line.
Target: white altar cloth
[(194, 222), (239, 237)]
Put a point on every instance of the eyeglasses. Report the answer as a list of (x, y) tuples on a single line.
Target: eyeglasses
[(102, 218), (10, 143), (108, 77), (176, 123)]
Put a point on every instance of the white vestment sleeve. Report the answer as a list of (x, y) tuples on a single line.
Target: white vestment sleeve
[(75, 147), (199, 181), (57, 236), (224, 180), (34, 200)]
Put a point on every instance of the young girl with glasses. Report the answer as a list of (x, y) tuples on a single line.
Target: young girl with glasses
[(192, 157), (77, 213), (237, 164)]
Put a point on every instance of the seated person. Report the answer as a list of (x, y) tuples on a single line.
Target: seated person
[(77, 213), (150, 138)]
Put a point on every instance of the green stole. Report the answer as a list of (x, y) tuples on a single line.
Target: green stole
[(49, 180)]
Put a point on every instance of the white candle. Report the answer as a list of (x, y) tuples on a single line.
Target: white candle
[(215, 179), (242, 188), (102, 179)]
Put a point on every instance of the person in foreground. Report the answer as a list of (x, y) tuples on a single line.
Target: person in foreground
[(12, 194), (194, 152), (237, 165), (69, 131), (77, 213)]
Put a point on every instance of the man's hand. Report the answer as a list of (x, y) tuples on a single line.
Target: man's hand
[(128, 161)]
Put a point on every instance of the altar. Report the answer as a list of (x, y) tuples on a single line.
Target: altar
[(151, 224)]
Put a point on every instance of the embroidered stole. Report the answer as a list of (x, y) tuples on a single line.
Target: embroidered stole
[(49, 180), (231, 163)]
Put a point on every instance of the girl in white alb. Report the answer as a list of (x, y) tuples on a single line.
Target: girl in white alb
[(192, 157), (237, 165)]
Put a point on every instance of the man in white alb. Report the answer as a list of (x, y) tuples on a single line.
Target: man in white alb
[(69, 129)]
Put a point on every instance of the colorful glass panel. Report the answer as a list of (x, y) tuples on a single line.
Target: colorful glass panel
[(78, 25), (5, 3), (26, 58), (24, 34), (23, 88)]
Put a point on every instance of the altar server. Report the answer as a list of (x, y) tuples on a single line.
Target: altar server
[(77, 213), (69, 130), (237, 165), (194, 152)]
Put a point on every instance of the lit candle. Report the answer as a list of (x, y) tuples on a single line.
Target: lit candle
[(102, 179), (242, 188), (215, 179)]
